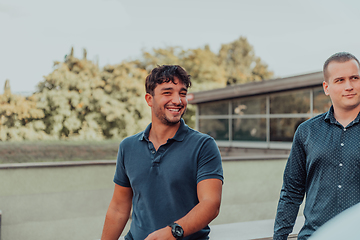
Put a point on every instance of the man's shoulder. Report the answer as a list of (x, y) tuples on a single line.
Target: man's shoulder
[(198, 135), (314, 121), (132, 139)]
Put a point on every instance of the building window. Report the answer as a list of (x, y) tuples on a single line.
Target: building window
[(247, 106), (322, 103), (217, 128), (290, 102), (214, 108), (283, 129), (268, 118), (251, 129)]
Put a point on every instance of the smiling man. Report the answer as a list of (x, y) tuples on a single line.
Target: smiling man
[(170, 174), (324, 162)]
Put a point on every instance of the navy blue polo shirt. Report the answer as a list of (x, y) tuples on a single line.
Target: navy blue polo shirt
[(324, 164), (164, 182)]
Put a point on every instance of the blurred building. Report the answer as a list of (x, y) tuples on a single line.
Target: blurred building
[(260, 115)]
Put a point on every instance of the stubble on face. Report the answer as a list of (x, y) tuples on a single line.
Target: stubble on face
[(169, 102), (160, 114)]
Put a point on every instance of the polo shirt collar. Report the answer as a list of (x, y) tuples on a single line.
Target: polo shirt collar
[(179, 136), (145, 134), (181, 132)]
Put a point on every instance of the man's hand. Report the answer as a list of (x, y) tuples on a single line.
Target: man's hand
[(209, 195), (161, 234)]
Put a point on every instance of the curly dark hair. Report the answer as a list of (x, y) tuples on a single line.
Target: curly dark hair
[(166, 73), (338, 57)]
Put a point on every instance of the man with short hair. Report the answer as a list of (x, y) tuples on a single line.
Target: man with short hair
[(170, 174), (324, 162)]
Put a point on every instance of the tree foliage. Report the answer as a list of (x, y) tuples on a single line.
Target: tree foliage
[(241, 64), (79, 101), (19, 117)]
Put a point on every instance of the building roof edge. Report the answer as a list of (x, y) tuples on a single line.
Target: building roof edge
[(257, 88)]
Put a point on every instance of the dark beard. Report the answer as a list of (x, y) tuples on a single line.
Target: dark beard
[(170, 123)]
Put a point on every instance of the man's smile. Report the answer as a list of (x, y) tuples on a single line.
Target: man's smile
[(174, 108), (349, 95)]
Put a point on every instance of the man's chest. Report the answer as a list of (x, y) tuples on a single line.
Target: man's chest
[(169, 164), (334, 152)]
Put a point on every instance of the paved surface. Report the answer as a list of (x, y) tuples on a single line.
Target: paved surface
[(248, 230), (255, 230)]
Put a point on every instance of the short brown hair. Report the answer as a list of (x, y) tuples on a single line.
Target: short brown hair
[(166, 73), (338, 57)]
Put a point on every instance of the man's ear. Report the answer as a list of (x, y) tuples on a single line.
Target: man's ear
[(148, 99), (325, 87)]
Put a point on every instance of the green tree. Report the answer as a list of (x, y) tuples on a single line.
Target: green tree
[(125, 85), (19, 117), (241, 64), (202, 65), (206, 74), (80, 102), (68, 96), (161, 56)]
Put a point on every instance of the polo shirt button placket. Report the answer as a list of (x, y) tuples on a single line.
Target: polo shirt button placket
[(152, 154)]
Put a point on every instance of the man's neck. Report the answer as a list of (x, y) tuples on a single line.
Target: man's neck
[(160, 133), (345, 116)]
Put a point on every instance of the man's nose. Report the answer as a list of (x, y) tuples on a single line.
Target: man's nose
[(177, 100), (348, 85)]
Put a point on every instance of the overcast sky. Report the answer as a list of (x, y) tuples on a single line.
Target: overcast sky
[(292, 37)]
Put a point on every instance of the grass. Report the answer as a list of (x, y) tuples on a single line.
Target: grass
[(53, 151)]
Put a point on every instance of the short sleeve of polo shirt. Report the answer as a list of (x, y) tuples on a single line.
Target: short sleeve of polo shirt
[(209, 161), (120, 177)]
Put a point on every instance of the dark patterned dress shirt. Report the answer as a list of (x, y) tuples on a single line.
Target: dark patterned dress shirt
[(324, 164)]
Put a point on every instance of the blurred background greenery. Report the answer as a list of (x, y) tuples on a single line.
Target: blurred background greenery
[(80, 102)]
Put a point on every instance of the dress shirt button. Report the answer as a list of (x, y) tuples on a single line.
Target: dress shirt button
[(339, 186), (340, 164), (342, 144), (152, 151), (344, 129)]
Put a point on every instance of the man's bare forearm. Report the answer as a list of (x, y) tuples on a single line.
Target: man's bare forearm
[(117, 214), (209, 192), (114, 224), (199, 217)]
